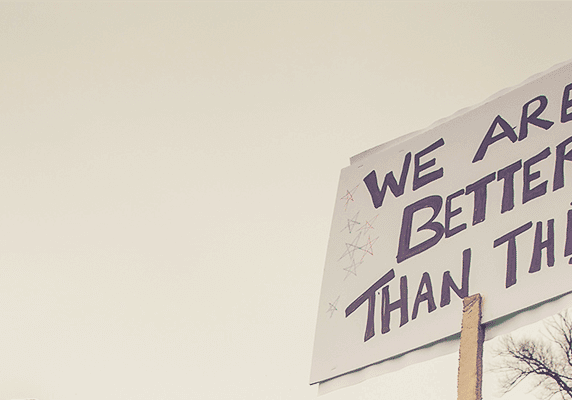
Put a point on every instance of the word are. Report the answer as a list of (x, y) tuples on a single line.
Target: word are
[(526, 119)]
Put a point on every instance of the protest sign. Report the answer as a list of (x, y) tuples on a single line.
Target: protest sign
[(481, 203)]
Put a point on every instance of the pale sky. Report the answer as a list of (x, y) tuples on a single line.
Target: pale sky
[(169, 172)]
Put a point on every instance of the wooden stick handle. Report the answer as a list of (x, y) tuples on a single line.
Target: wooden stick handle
[(470, 378)]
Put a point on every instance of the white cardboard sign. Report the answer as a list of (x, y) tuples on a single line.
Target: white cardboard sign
[(481, 203)]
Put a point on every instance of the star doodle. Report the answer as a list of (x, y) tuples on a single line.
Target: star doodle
[(333, 307), (368, 247), (367, 225), (352, 222), (351, 248), (352, 269), (349, 196)]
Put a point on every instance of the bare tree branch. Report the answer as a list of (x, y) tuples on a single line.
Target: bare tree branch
[(547, 364)]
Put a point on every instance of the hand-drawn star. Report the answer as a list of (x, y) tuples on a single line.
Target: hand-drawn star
[(333, 307), (349, 197), (351, 223), (352, 269), (368, 247), (351, 248), (368, 225)]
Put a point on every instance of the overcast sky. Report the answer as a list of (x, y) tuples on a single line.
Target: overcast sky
[(169, 172)]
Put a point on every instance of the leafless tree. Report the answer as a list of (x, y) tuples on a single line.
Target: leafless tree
[(545, 361)]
